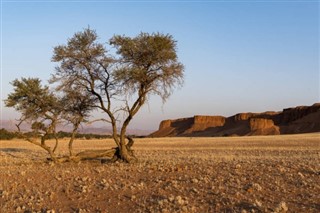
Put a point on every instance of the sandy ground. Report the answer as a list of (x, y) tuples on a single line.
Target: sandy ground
[(234, 174)]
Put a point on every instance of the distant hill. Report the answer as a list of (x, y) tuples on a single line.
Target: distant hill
[(85, 129), (301, 119)]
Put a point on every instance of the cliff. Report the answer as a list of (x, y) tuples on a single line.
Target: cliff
[(302, 119)]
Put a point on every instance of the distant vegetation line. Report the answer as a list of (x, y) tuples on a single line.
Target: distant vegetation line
[(8, 135)]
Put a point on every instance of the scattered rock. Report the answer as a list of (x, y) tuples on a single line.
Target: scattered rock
[(179, 200), (257, 187), (194, 190), (222, 178), (195, 180), (282, 207), (300, 175)]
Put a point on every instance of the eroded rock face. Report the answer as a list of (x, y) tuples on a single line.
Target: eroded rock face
[(243, 116), (165, 124), (210, 121), (260, 123), (262, 126)]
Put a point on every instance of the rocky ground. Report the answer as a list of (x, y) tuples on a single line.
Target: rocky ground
[(238, 174)]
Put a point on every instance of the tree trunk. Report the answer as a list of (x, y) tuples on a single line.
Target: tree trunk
[(125, 153), (70, 147), (56, 144), (87, 155), (43, 145), (71, 142)]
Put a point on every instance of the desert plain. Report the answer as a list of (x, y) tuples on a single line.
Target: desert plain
[(219, 174)]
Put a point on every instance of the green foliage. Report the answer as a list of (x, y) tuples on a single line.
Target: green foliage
[(32, 99), (77, 105), (148, 64), (37, 126), (6, 135)]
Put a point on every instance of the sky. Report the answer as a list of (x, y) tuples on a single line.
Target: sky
[(239, 56)]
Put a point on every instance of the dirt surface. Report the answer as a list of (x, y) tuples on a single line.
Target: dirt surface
[(234, 174)]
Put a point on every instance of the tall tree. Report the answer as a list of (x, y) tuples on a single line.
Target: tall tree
[(144, 65)]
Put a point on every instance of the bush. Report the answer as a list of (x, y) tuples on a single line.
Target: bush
[(6, 135)]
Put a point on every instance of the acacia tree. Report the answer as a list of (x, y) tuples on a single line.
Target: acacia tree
[(45, 109), (144, 65), (40, 107)]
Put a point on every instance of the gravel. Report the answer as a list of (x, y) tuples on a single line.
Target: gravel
[(217, 178)]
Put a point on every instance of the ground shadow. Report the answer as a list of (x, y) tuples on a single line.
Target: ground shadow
[(8, 150), (248, 207)]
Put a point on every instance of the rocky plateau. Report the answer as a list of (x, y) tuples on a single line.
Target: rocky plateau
[(301, 119)]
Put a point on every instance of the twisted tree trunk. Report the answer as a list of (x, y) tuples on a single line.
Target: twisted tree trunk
[(124, 152)]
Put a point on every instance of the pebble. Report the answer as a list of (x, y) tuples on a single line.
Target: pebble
[(257, 187), (301, 175), (258, 203), (195, 190), (195, 180), (282, 207), (179, 200), (171, 198)]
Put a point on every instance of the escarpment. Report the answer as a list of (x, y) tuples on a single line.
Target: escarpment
[(301, 119)]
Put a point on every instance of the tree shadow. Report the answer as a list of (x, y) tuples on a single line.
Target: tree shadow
[(248, 207), (9, 150)]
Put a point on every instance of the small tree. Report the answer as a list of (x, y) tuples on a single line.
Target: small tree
[(39, 106), (144, 65), (45, 110)]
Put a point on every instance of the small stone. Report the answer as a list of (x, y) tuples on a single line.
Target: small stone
[(171, 198), (300, 174), (179, 200), (257, 187), (160, 202), (258, 203), (282, 207), (194, 180), (195, 190), (58, 178), (184, 209)]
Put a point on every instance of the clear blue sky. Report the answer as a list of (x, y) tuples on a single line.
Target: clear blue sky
[(240, 56)]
